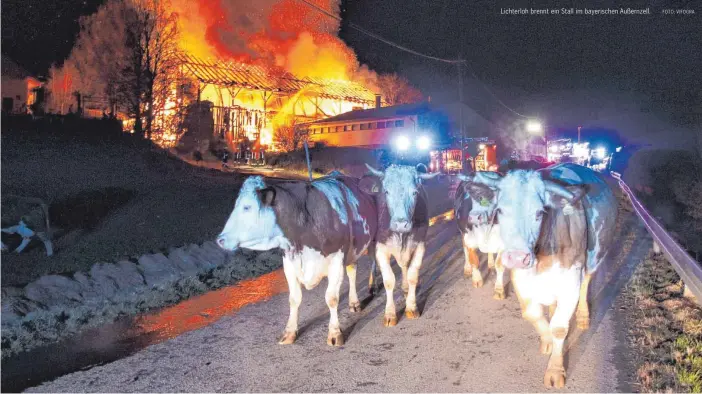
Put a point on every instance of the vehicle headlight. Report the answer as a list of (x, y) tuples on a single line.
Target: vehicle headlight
[(423, 143), (402, 143)]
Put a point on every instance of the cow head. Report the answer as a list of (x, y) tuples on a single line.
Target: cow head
[(252, 223), (400, 186), (523, 199), (480, 190)]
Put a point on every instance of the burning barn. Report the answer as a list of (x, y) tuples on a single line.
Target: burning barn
[(247, 103)]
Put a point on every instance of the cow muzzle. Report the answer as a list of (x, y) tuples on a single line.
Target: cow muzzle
[(224, 244), (401, 226), (514, 259)]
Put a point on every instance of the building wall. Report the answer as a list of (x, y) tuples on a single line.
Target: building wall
[(20, 91), (351, 133)]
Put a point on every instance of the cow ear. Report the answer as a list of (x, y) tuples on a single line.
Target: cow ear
[(480, 192), (370, 184), (266, 196)]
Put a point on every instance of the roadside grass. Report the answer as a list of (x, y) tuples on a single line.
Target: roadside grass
[(665, 329)]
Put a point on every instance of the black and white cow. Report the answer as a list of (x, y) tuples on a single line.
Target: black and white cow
[(474, 206), (557, 225), (403, 221), (321, 226)]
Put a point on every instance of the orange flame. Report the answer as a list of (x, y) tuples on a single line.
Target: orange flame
[(285, 33)]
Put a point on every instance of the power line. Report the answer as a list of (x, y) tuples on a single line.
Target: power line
[(379, 38), (490, 92), (459, 62)]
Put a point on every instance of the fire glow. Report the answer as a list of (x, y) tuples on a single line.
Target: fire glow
[(274, 40)]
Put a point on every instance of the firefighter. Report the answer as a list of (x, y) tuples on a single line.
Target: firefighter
[(225, 159)]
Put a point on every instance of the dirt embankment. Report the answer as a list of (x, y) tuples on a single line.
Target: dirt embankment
[(108, 200), (665, 328)]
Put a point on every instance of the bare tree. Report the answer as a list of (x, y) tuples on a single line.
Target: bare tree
[(152, 41), (397, 90), (288, 136), (125, 52)]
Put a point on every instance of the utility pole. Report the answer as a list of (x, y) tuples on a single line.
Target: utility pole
[(579, 127), (460, 114)]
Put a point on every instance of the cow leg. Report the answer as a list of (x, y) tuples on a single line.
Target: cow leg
[(491, 260), (582, 316), (468, 266), (335, 278), (295, 299), (383, 258), (411, 311), (566, 304), (354, 305), (404, 266), (475, 262), (47, 243), (499, 279), (25, 242), (552, 310), (534, 313)]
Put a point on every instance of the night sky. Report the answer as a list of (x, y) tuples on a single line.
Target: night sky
[(522, 58)]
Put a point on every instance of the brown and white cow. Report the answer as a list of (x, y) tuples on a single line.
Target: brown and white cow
[(557, 225), (474, 206), (321, 226), (403, 221)]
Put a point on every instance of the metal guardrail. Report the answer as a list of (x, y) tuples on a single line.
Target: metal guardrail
[(689, 269)]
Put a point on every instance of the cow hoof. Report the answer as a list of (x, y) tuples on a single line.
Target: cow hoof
[(390, 321), (555, 377), (499, 294), (412, 314), (546, 346), (478, 283), (355, 307), (467, 274), (335, 339), (583, 323), (288, 338)]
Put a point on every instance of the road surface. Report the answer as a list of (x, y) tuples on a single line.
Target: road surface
[(464, 341)]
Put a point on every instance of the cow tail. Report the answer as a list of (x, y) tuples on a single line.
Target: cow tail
[(374, 265)]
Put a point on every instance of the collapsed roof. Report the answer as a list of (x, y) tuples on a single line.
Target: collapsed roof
[(256, 77)]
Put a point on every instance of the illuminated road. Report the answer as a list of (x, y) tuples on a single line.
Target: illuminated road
[(464, 341)]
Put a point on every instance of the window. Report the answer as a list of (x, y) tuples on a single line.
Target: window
[(354, 127), (346, 128), (364, 126), (399, 123), (338, 129), (380, 125), (370, 126), (389, 124)]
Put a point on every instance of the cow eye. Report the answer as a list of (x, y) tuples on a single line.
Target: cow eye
[(387, 193), (414, 193), (539, 215), (247, 208)]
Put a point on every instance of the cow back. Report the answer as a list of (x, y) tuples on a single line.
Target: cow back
[(363, 216), (599, 205), (307, 218)]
